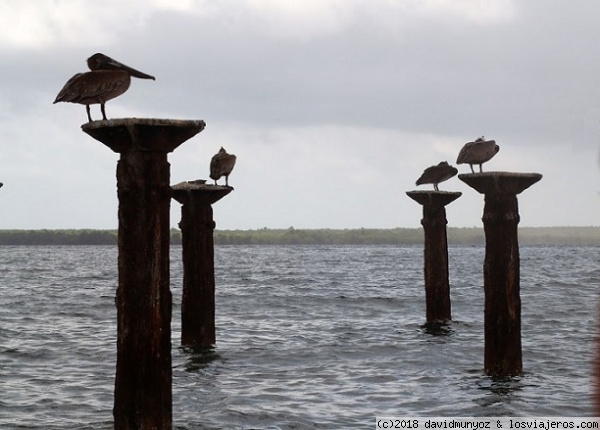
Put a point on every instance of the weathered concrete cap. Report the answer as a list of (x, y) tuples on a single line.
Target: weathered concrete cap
[(199, 191), (143, 134), (500, 182), (433, 198)]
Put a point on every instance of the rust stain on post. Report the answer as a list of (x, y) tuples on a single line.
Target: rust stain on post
[(502, 314), (143, 392), (437, 286), (197, 226)]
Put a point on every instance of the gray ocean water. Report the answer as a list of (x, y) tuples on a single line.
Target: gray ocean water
[(307, 338)]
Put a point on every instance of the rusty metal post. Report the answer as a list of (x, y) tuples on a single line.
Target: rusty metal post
[(143, 392), (437, 286), (197, 226), (501, 270)]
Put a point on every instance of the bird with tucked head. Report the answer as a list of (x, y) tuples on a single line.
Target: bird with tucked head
[(477, 152), (221, 165), (436, 174)]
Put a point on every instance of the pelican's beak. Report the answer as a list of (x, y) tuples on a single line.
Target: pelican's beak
[(114, 64)]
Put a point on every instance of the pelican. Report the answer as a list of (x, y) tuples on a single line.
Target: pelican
[(436, 174), (221, 165), (477, 152), (108, 79)]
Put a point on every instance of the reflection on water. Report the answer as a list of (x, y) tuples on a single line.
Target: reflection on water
[(198, 358), (438, 328), (501, 386), (501, 396)]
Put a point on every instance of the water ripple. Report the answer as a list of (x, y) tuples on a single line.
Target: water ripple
[(307, 338)]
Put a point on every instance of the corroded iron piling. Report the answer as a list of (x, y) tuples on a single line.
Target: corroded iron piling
[(502, 319), (437, 287), (197, 226), (143, 392)]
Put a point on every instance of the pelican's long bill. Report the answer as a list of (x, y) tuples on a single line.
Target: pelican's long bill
[(106, 80), (114, 64)]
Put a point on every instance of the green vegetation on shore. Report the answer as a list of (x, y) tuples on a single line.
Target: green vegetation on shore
[(292, 236)]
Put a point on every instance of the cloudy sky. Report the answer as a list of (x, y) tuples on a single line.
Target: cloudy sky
[(333, 107)]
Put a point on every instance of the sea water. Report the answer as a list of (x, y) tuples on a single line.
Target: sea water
[(324, 337)]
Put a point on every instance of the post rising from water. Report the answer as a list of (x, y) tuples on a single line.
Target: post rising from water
[(197, 227), (501, 270), (143, 391), (437, 286)]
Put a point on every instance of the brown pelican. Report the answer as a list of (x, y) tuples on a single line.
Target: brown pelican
[(477, 152), (108, 79), (436, 174), (221, 165)]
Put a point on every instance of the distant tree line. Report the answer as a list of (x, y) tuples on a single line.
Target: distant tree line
[(58, 237), (293, 236)]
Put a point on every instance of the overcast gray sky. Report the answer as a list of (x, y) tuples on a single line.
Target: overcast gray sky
[(333, 108)]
